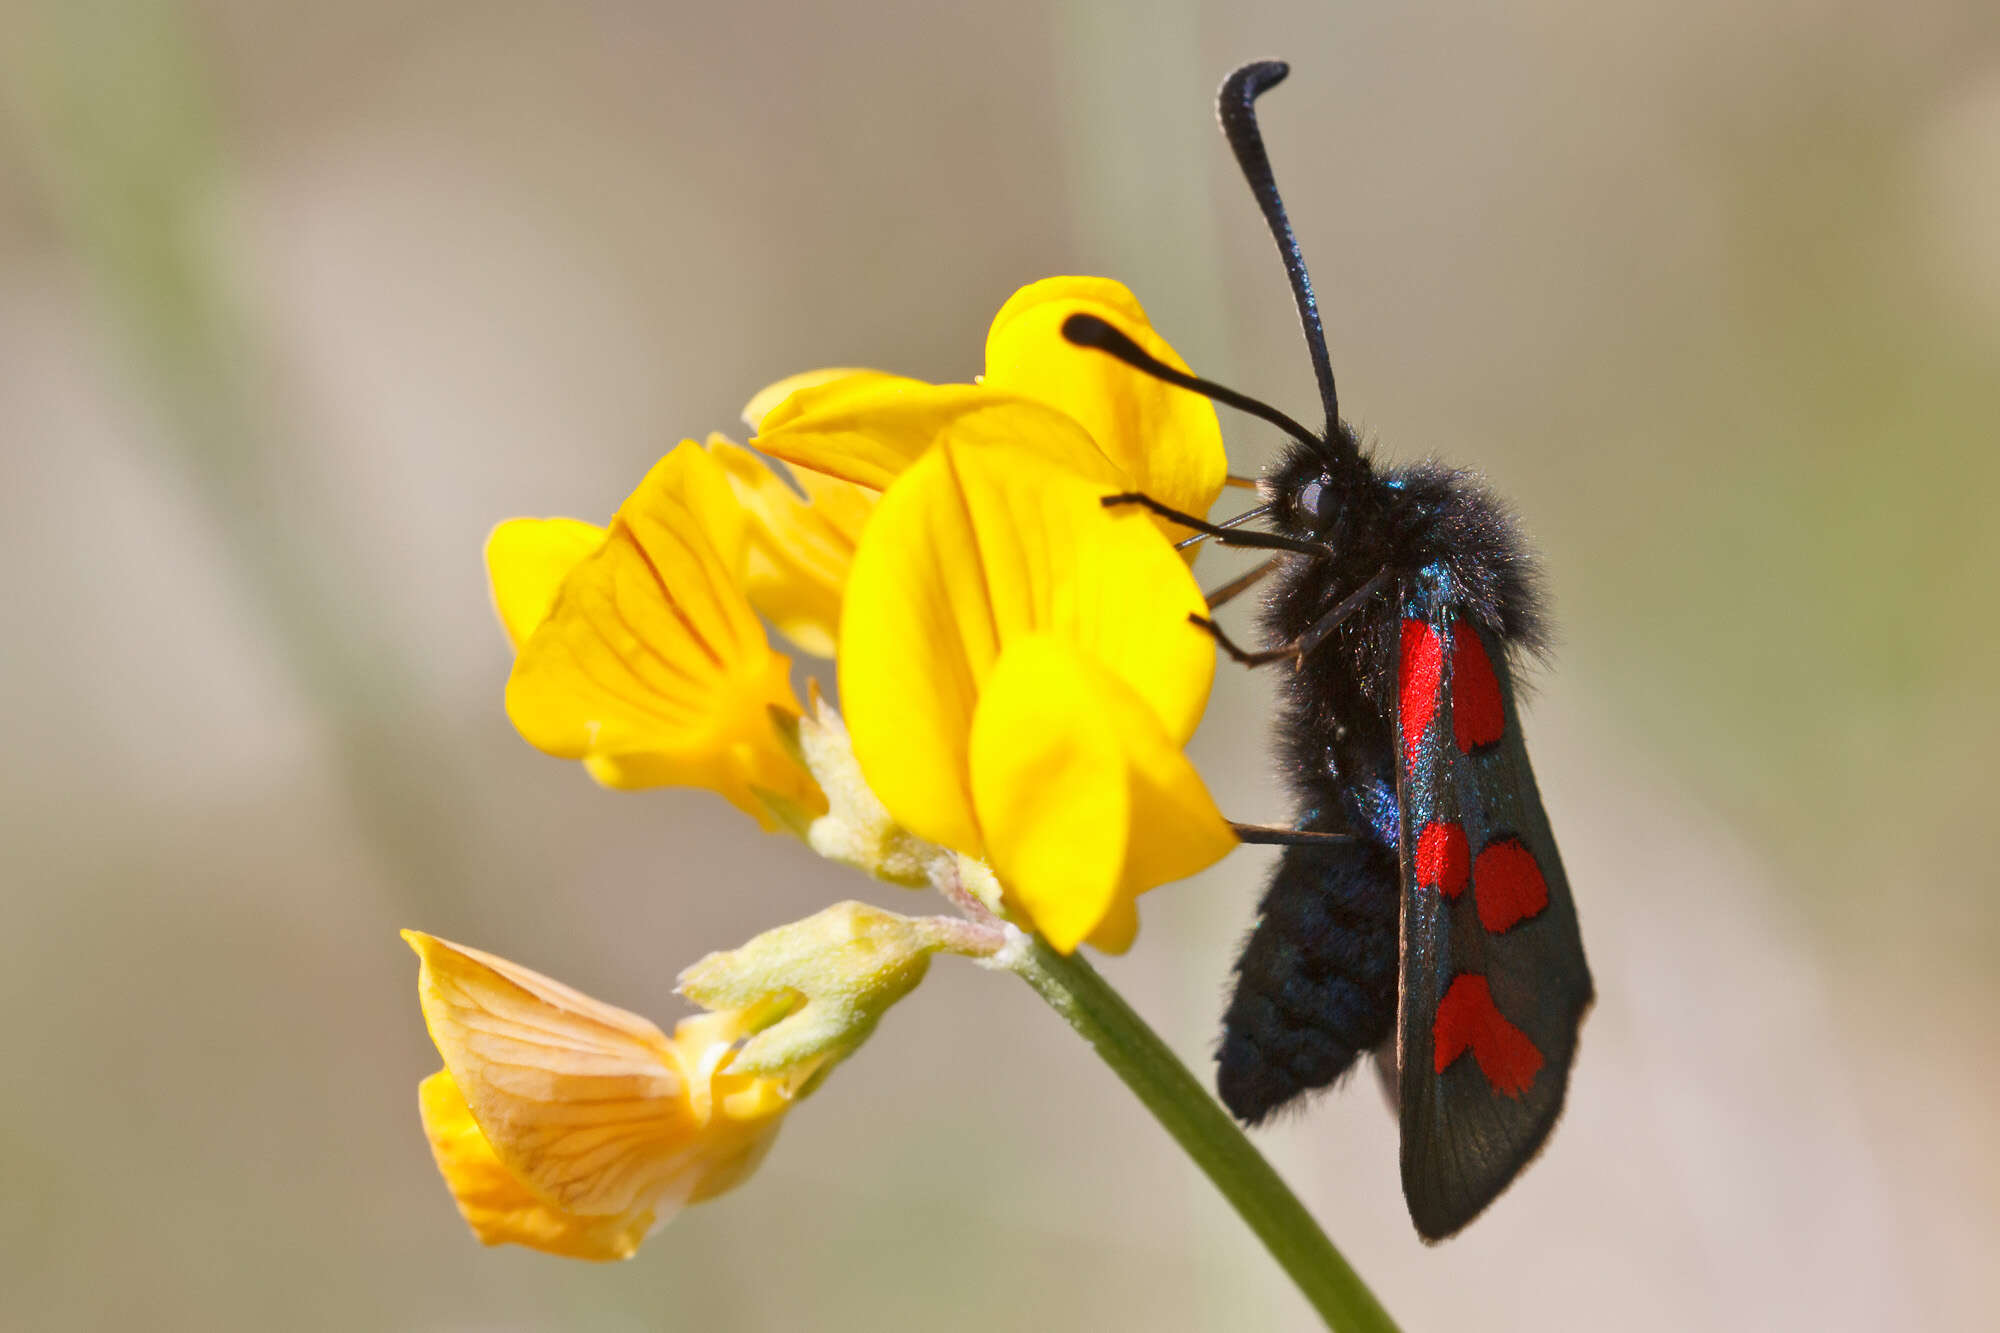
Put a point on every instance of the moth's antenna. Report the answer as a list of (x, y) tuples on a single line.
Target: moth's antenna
[(1236, 108), (1090, 331)]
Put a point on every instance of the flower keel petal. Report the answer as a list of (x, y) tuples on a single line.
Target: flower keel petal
[(976, 546), (1084, 798)]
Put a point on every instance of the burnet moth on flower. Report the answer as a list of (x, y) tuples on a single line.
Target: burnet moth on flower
[(1419, 909)]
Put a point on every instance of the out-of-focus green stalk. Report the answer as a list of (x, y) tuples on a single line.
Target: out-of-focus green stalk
[(111, 102)]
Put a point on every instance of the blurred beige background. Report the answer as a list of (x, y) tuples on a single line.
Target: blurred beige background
[(297, 300)]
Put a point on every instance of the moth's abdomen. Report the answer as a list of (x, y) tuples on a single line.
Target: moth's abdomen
[(1316, 984)]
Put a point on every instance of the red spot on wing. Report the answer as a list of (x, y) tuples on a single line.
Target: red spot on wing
[(1477, 715), (1467, 1019), (1508, 885), (1419, 684), (1444, 861)]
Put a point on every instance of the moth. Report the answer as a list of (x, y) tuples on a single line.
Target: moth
[(1419, 909)]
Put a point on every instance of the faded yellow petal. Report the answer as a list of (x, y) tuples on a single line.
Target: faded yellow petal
[(978, 545), (771, 395), (867, 428), (799, 549), (496, 1205), (1166, 440), (1084, 799), (652, 666), (526, 561), (583, 1103)]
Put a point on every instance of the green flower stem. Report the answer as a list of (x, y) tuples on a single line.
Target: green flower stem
[(1136, 1054)]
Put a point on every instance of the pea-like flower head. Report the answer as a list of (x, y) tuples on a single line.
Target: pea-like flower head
[(1016, 663), (1019, 674)]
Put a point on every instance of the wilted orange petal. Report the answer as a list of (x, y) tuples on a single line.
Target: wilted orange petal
[(496, 1205), (583, 1102)]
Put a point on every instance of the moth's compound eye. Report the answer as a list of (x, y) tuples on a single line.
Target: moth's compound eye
[(1311, 495)]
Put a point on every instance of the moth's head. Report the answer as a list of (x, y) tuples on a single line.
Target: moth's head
[(1313, 489)]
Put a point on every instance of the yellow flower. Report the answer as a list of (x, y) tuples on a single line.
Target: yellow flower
[(1016, 662), (1019, 675), (1137, 434), (638, 651), (799, 550), (572, 1127)]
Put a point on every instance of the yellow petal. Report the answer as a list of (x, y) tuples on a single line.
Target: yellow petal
[(913, 653), (652, 666), (1055, 560), (771, 395), (688, 496), (799, 550), (975, 546), (1047, 789), (867, 428), (1084, 799), (583, 1103), (496, 1205), (1120, 926), (526, 562), (1165, 439)]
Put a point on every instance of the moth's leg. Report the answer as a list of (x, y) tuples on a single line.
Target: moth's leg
[(1231, 525), (1324, 627), (1316, 633), (1262, 541), (1233, 522), (1241, 656), (1241, 583), (1278, 836)]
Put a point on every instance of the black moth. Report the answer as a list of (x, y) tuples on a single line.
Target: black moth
[(1419, 910)]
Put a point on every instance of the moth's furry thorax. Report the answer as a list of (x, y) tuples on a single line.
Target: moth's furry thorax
[(1428, 525), (1421, 522)]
